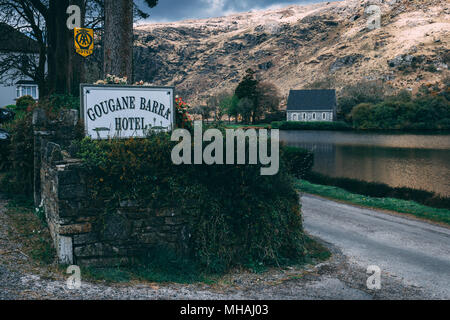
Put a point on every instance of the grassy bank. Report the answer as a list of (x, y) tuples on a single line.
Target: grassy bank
[(397, 205), (381, 190), (314, 125), (30, 229), (248, 126)]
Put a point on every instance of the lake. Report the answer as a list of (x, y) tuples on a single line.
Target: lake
[(419, 161)]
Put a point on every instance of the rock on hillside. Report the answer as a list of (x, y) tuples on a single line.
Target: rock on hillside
[(299, 46)]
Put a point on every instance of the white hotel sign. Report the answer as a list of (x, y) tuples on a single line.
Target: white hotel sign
[(115, 111)]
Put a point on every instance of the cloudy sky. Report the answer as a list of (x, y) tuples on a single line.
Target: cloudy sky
[(175, 10)]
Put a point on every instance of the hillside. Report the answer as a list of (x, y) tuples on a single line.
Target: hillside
[(299, 46)]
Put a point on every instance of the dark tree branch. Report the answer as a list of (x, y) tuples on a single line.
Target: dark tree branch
[(43, 10)]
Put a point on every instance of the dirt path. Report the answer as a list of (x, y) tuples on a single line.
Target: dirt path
[(20, 278)]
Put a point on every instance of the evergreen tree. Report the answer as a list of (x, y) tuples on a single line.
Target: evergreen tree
[(248, 89)]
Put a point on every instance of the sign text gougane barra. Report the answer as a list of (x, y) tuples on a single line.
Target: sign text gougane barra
[(128, 103)]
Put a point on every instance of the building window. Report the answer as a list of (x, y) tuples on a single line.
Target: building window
[(29, 90), (314, 116), (324, 115), (304, 116), (294, 117)]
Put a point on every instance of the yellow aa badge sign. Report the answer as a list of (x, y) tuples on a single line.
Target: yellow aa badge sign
[(84, 41)]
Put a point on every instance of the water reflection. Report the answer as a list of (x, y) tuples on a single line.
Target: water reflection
[(411, 160)]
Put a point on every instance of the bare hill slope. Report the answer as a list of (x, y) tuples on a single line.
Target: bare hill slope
[(297, 46)]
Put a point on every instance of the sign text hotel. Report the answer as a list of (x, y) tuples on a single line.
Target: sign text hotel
[(115, 111)]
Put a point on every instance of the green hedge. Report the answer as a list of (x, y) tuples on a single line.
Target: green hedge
[(19, 158), (236, 216), (298, 161), (273, 117), (381, 190), (4, 153), (298, 125), (24, 102)]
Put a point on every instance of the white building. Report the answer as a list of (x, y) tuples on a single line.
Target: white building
[(312, 105), (13, 84)]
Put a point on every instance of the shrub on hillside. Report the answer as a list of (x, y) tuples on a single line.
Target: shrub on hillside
[(423, 113), (363, 92), (236, 216)]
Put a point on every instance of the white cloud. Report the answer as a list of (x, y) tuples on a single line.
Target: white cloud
[(213, 7), (175, 10)]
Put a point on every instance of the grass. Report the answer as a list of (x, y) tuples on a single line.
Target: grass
[(248, 126), (145, 273), (32, 230), (156, 268), (20, 114), (316, 252), (159, 266), (397, 205), (310, 125)]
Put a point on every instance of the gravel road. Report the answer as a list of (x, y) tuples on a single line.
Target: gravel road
[(342, 277), (416, 252)]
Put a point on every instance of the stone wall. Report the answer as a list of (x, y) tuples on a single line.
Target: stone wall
[(87, 230)]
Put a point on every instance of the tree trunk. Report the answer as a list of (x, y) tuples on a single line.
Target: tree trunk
[(57, 56), (76, 64), (40, 72), (64, 64), (118, 38)]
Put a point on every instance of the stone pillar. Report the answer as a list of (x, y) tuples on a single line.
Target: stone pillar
[(39, 124), (61, 131)]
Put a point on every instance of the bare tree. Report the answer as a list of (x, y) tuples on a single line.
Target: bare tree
[(19, 17), (269, 98), (205, 111), (44, 21), (215, 104)]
